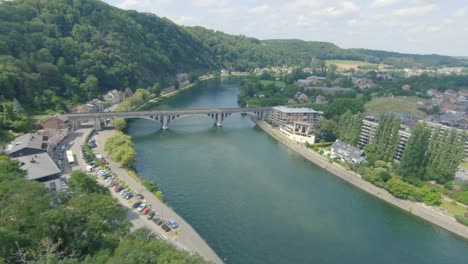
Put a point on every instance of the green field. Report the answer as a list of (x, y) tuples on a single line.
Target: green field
[(278, 84), (401, 104), (347, 64), (453, 208)]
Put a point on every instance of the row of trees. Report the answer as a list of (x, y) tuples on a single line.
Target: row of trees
[(435, 157), (386, 138), (87, 225), (120, 148), (349, 127)]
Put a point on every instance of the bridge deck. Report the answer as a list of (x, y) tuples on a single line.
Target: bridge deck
[(165, 112)]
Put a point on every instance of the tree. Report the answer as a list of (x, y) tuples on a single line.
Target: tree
[(83, 183), (386, 137), (399, 188), (349, 127), (118, 123), (340, 105), (414, 157), (193, 77), (446, 150), (325, 130)]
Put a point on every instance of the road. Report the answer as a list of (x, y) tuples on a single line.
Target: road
[(186, 238)]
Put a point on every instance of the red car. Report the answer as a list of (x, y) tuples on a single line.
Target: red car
[(146, 210), (118, 188)]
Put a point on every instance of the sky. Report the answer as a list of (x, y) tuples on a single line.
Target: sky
[(410, 26)]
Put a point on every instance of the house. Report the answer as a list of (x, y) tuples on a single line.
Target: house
[(55, 136), (320, 99), (55, 122), (304, 82), (303, 97), (182, 77), (347, 153), (406, 87), (81, 109), (95, 105), (362, 83), (292, 101), (127, 92), (28, 144), (40, 167), (316, 79), (114, 96)]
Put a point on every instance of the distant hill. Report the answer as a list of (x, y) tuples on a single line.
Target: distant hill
[(57, 51), (303, 51)]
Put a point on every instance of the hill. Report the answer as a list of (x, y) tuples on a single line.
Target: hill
[(60, 52), (54, 50)]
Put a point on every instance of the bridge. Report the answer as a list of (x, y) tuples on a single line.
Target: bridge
[(166, 116)]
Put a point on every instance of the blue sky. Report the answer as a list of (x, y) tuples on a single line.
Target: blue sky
[(413, 26)]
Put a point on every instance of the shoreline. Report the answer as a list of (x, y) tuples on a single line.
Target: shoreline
[(353, 178), (188, 239)]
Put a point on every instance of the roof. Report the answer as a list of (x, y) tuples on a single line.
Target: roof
[(38, 166), (54, 122), (298, 110), (34, 141), (346, 151)]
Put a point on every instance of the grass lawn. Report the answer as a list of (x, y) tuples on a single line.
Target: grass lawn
[(347, 64), (402, 104), (453, 208), (278, 84)]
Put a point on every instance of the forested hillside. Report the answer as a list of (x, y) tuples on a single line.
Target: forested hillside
[(55, 53), (64, 49), (300, 51)]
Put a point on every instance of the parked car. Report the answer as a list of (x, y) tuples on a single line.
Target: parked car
[(173, 224), (166, 228), (136, 204), (140, 196), (128, 196), (119, 188), (146, 210), (151, 215), (141, 207), (157, 220)]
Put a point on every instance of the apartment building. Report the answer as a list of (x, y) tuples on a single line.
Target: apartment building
[(282, 115)]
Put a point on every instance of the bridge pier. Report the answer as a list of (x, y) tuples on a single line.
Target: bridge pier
[(165, 122), (97, 124)]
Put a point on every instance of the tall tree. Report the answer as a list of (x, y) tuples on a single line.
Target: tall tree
[(349, 127), (413, 160), (387, 136)]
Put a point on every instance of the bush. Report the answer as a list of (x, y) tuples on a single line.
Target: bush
[(462, 219), (400, 189), (322, 145), (430, 196)]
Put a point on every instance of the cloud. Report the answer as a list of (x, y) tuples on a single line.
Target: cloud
[(460, 12), (262, 9), (304, 4), (383, 3), (343, 8), (416, 10), (425, 28)]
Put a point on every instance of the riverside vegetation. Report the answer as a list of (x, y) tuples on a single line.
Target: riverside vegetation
[(84, 224)]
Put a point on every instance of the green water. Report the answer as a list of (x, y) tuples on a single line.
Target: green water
[(254, 201)]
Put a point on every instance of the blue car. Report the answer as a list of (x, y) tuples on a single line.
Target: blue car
[(173, 224), (128, 196)]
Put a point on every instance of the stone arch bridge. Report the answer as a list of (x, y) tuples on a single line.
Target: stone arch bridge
[(165, 116)]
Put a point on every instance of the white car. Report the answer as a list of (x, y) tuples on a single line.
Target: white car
[(141, 207)]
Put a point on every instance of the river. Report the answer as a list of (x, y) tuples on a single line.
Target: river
[(254, 201)]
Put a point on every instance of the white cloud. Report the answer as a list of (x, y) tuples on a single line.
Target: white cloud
[(343, 8), (186, 20), (262, 9), (425, 28), (460, 12), (416, 10), (383, 3)]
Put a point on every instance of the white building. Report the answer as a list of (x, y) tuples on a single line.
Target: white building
[(347, 153), (299, 132), (40, 167), (282, 115)]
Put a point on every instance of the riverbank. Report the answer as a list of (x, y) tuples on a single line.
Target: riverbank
[(187, 238), (421, 211)]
